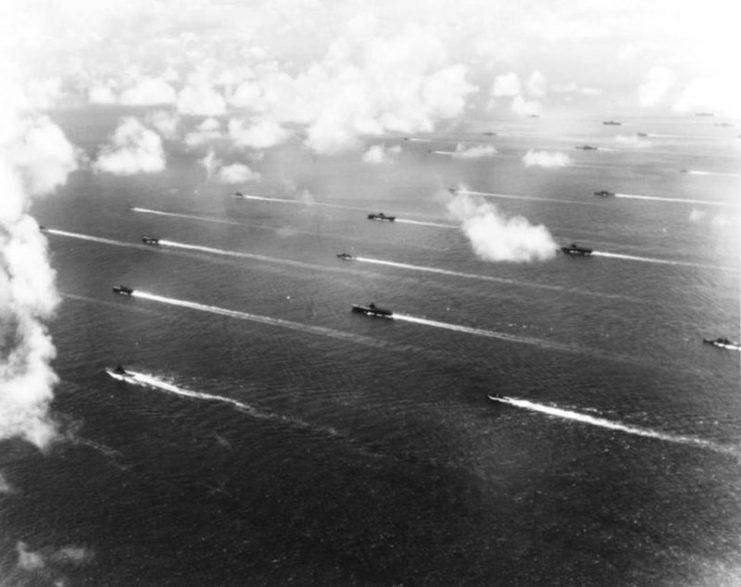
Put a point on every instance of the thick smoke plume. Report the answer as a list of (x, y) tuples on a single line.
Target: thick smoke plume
[(546, 159), (496, 237), (35, 158)]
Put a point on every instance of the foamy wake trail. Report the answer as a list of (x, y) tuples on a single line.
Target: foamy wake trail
[(418, 140), (186, 216), (86, 237), (658, 261), (678, 200), (301, 202), (421, 223), (518, 197), (307, 328), (699, 172), (611, 425), (451, 153), (490, 278)]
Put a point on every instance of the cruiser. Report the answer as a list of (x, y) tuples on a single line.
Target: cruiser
[(122, 290), (372, 310), (382, 217), (575, 249)]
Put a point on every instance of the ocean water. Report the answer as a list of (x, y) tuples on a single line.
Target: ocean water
[(276, 438)]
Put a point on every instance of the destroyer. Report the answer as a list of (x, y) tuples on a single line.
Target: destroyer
[(575, 249), (723, 343), (150, 240), (382, 217), (372, 310), (605, 194), (344, 256), (122, 290)]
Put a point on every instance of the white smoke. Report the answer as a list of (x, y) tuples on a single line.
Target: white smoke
[(496, 237), (35, 158), (475, 152), (5, 486), (546, 159), (134, 149)]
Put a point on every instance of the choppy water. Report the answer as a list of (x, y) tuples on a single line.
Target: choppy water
[(274, 437)]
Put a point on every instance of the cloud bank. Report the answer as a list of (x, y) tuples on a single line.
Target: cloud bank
[(496, 237), (380, 154)]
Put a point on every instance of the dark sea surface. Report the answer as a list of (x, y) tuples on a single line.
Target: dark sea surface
[(366, 451)]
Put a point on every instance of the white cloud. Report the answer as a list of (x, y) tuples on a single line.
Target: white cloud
[(656, 84), (237, 173), (633, 141), (258, 135), (134, 149), (507, 84), (166, 122), (148, 91), (201, 99), (721, 94), (102, 94), (546, 159), (380, 154), (44, 93), (248, 94), (5, 486), (526, 107), (536, 85), (475, 152), (211, 163), (209, 130), (496, 237)]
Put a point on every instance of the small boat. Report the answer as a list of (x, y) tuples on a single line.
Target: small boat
[(238, 195), (382, 217), (604, 194), (122, 290), (576, 250), (723, 343), (118, 372), (372, 310), (489, 133), (611, 123), (150, 240), (586, 147), (453, 190), (344, 256)]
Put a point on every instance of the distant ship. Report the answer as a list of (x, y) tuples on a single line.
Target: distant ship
[(382, 217), (611, 122), (726, 124), (344, 256), (150, 240), (723, 343), (453, 190), (704, 114), (604, 194), (42, 228), (118, 372), (642, 135), (489, 133), (122, 290), (586, 147), (238, 195), (372, 310), (575, 249)]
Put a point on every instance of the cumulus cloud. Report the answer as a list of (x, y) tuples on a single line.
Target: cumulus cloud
[(526, 107), (717, 94), (656, 84), (209, 130), (166, 122), (496, 237), (201, 99), (237, 173), (102, 94), (475, 152), (536, 85), (133, 149), (261, 134), (546, 159), (35, 158), (44, 93), (507, 84), (148, 91), (380, 154)]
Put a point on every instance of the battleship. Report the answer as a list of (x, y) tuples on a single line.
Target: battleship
[(574, 249), (150, 240), (382, 217), (604, 194), (722, 343), (372, 310), (122, 290)]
